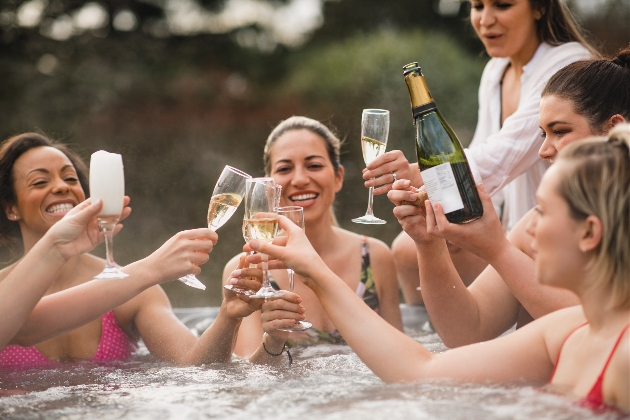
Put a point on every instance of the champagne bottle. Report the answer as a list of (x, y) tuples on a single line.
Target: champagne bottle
[(443, 164)]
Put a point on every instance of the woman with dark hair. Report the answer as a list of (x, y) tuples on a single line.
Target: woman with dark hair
[(580, 237), (528, 40), (583, 99), (302, 155), (40, 184)]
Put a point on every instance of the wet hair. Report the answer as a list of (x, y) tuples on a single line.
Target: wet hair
[(333, 144), (10, 150), (598, 89), (598, 183), (556, 25)]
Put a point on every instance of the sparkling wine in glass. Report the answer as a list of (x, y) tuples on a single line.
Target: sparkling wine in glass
[(226, 197), (107, 183), (247, 237), (296, 215), (261, 222), (374, 132)]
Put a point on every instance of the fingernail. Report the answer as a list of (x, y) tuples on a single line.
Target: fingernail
[(96, 202), (413, 196), (254, 244), (236, 273), (407, 183), (233, 280)]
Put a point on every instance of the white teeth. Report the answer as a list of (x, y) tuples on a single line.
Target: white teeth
[(303, 197), (60, 208)]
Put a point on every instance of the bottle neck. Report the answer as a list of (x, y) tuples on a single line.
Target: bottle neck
[(421, 100)]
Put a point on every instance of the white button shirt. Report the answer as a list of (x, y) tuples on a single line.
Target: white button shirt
[(506, 158)]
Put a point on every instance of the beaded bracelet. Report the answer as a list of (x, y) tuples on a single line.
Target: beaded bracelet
[(284, 348)]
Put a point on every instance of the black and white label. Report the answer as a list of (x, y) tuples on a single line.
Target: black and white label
[(441, 187)]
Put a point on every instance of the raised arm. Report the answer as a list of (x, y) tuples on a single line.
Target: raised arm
[(27, 282), (510, 258), (460, 315), (177, 257), (168, 339), (392, 355)]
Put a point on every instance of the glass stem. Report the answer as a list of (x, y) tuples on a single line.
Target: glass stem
[(109, 247), (370, 199), (291, 279), (265, 282)]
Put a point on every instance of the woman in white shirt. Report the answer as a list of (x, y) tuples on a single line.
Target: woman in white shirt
[(528, 40)]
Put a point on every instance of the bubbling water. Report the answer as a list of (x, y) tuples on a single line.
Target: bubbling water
[(325, 381)]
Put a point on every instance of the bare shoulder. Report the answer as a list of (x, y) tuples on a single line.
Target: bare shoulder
[(557, 326), (153, 298), (519, 237)]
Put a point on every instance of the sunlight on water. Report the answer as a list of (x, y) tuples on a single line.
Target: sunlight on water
[(325, 381)]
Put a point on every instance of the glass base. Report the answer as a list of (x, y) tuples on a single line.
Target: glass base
[(192, 281), (369, 219), (299, 326), (111, 273), (267, 292), (238, 290)]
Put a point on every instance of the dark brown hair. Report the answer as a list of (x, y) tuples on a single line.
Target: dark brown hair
[(556, 25), (598, 89), (10, 150)]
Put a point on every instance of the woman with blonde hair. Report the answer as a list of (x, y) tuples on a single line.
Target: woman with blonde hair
[(580, 239)]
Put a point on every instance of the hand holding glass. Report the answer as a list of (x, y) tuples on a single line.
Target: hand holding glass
[(107, 183), (374, 133), (261, 219), (296, 215), (226, 197)]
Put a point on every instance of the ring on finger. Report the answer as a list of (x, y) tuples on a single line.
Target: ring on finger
[(394, 176)]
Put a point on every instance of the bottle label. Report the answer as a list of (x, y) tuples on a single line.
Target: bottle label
[(441, 186)]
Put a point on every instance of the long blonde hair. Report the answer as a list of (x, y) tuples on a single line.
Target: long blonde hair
[(598, 183)]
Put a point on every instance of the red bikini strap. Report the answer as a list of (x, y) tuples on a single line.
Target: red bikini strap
[(615, 347), (561, 347)]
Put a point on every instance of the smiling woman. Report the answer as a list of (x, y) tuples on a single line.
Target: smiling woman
[(40, 182), (302, 155)]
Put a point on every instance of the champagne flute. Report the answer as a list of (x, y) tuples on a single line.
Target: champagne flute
[(296, 215), (226, 197), (374, 132), (261, 219), (107, 183), (247, 237)]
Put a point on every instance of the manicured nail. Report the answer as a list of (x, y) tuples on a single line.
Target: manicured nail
[(233, 281), (236, 273), (413, 196)]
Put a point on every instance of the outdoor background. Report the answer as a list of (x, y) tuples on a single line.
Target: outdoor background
[(183, 87)]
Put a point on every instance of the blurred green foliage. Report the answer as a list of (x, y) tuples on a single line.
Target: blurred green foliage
[(179, 108)]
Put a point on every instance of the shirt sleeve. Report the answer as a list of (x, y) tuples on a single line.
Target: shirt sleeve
[(514, 149)]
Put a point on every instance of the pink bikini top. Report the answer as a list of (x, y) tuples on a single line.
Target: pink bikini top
[(114, 345), (595, 397)]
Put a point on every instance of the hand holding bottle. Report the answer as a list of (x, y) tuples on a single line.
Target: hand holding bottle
[(379, 173), (483, 237)]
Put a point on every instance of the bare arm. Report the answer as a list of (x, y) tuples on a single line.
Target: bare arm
[(27, 282), (511, 257), (460, 315), (180, 255), (394, 357)]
